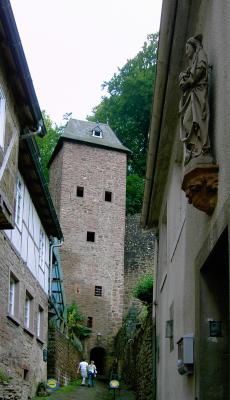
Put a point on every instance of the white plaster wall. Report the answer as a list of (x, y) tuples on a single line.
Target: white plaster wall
[(26, 239), (187, 227)]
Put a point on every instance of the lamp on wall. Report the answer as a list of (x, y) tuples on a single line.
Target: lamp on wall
[(99, 336)]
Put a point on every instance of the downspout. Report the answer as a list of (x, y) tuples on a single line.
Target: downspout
[(155, 341), (59, 244), (29, 133)]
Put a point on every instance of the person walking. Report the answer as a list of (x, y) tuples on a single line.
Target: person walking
[(83, 369), (92, 371)]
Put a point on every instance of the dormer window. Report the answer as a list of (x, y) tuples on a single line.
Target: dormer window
[(97, 132)]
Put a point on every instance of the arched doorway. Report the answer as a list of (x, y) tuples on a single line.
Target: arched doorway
[(97, 354)]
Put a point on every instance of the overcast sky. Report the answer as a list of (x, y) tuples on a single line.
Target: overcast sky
[(72, 46)]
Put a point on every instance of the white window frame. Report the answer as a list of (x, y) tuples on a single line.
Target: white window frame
[(95, 133), (41, 260), (13, 296), (40, 321), (19, 203), (28, 311), (2, 118)]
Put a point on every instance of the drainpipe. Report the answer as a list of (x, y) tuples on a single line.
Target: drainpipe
[(29, 133), (58, 244), (155, 300), (167, 27)]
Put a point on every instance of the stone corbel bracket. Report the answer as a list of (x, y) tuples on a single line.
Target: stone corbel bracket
[(200, 185)]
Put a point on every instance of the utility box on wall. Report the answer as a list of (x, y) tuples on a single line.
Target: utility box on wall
[(185, 361)]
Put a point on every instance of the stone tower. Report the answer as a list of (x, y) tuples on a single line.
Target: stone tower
[(88, 186)]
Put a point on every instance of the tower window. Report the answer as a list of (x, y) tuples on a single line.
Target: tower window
[(98, 291), (108, 196), (90, 236), (97, 132), (80, 191)]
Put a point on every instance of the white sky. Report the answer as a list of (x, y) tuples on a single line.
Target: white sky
[(72, 46)]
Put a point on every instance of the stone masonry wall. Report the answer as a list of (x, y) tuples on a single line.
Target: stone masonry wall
[(100, 263), (21, 352), (135, 356), (63, 358), (139, 256)]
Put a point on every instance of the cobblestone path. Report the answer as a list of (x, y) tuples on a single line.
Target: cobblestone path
[(99, 392)]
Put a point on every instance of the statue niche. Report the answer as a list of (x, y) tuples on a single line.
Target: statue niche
[(194, 134)]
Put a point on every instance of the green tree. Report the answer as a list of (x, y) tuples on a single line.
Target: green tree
[(127, 104), (77, 330), (127, 108), (134, 190), (48, 142)]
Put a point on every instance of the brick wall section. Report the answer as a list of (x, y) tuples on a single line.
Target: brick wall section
[(139, 256), (63, 357), (101, 263), (20, 351)]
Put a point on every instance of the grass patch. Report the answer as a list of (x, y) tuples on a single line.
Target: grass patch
[(64, 389)]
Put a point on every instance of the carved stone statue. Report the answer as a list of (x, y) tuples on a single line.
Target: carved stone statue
[(193, 108)]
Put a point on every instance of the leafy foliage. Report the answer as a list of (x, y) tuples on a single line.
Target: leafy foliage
[(144, 289), (4, 377), (47, 144), (127, 109), (134, 190), (127, 105), (77, 331)]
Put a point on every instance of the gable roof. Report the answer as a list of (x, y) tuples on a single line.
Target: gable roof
[(82, 132)]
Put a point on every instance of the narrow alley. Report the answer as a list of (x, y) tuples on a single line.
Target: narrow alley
[(99, 392)]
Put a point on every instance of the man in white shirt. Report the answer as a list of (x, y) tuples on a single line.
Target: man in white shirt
[(83, 366)]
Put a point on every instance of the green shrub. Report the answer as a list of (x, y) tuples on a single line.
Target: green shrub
[(4, 377), (144, 289), (77, 330), (41, 389)]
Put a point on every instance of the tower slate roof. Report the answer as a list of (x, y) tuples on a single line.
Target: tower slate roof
[(82, 131)]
